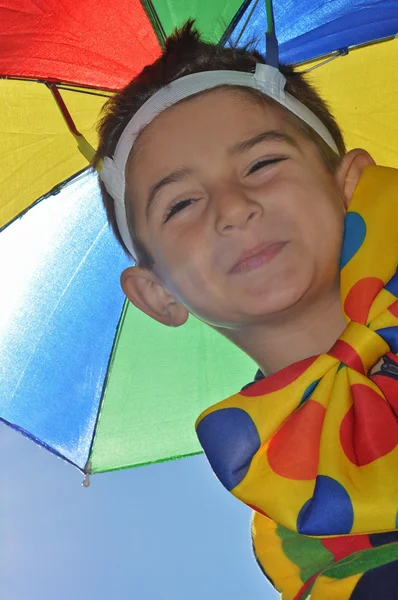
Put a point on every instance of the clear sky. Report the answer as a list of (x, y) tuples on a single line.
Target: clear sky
[(162, 532)]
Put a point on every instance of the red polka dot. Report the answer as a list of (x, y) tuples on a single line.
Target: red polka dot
[(394, 308), (293, 451), (280, 379), (369, 430), (389, 386), (346, 354), (360, 298), (341, 547)]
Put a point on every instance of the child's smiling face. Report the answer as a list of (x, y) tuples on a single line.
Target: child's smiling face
[(225, 173)]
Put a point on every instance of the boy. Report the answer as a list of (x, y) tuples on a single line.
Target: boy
[(232, 197)]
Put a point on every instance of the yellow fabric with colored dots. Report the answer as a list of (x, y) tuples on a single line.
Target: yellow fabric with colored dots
[(313, 449)]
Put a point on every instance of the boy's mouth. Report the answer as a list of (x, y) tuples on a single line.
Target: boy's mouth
[(257, 256)]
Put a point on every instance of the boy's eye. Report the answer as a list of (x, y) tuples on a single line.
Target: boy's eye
[(181, 204), (264, 163), (177, 207)]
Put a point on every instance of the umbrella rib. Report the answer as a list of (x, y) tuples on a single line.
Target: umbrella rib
[(154, 17), (88, 466), (39, 442), (324, 62), (246, 23), (233, 23), (344, 51), (62, 86), (76, 90), (55, 190), (82, 143)]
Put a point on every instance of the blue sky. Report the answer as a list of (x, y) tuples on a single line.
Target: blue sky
[(162, 532)]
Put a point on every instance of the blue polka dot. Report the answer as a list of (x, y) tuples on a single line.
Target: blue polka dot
[(230, 440), (380, 539), (390, 335), (392, 285), (328, 512), (309, 391), (354, 235), (380, 582)]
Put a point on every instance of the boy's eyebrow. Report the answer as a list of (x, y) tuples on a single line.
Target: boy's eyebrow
[(239, 148), (266, 136), (173, 177)]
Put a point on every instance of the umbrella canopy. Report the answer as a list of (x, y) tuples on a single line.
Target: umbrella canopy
[(82, 372)]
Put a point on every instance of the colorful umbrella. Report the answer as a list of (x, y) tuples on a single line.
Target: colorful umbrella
[(83, 373)]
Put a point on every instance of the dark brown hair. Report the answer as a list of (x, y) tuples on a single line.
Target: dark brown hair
[(185, 53)]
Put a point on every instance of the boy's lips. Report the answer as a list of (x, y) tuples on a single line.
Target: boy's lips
[(256, 256)]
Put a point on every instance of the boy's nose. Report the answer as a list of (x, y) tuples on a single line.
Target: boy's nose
[(234, 208)]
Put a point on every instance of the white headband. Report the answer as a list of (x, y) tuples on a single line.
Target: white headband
[(266, 79)]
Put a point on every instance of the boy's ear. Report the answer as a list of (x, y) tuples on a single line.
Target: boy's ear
[(144, 289), (350, 170)]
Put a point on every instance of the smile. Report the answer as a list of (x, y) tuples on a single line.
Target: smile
[(256, 261)]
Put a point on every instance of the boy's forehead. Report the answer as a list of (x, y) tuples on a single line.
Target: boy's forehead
[(225, 115)]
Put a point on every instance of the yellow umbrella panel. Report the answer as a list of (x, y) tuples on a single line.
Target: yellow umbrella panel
[(37, 150)]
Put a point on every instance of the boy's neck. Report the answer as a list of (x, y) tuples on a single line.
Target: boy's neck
[(311, 330)]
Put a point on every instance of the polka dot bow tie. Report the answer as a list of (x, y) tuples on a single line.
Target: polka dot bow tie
[(314, 446)]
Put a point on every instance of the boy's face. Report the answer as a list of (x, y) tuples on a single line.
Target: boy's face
[(238, 174)]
